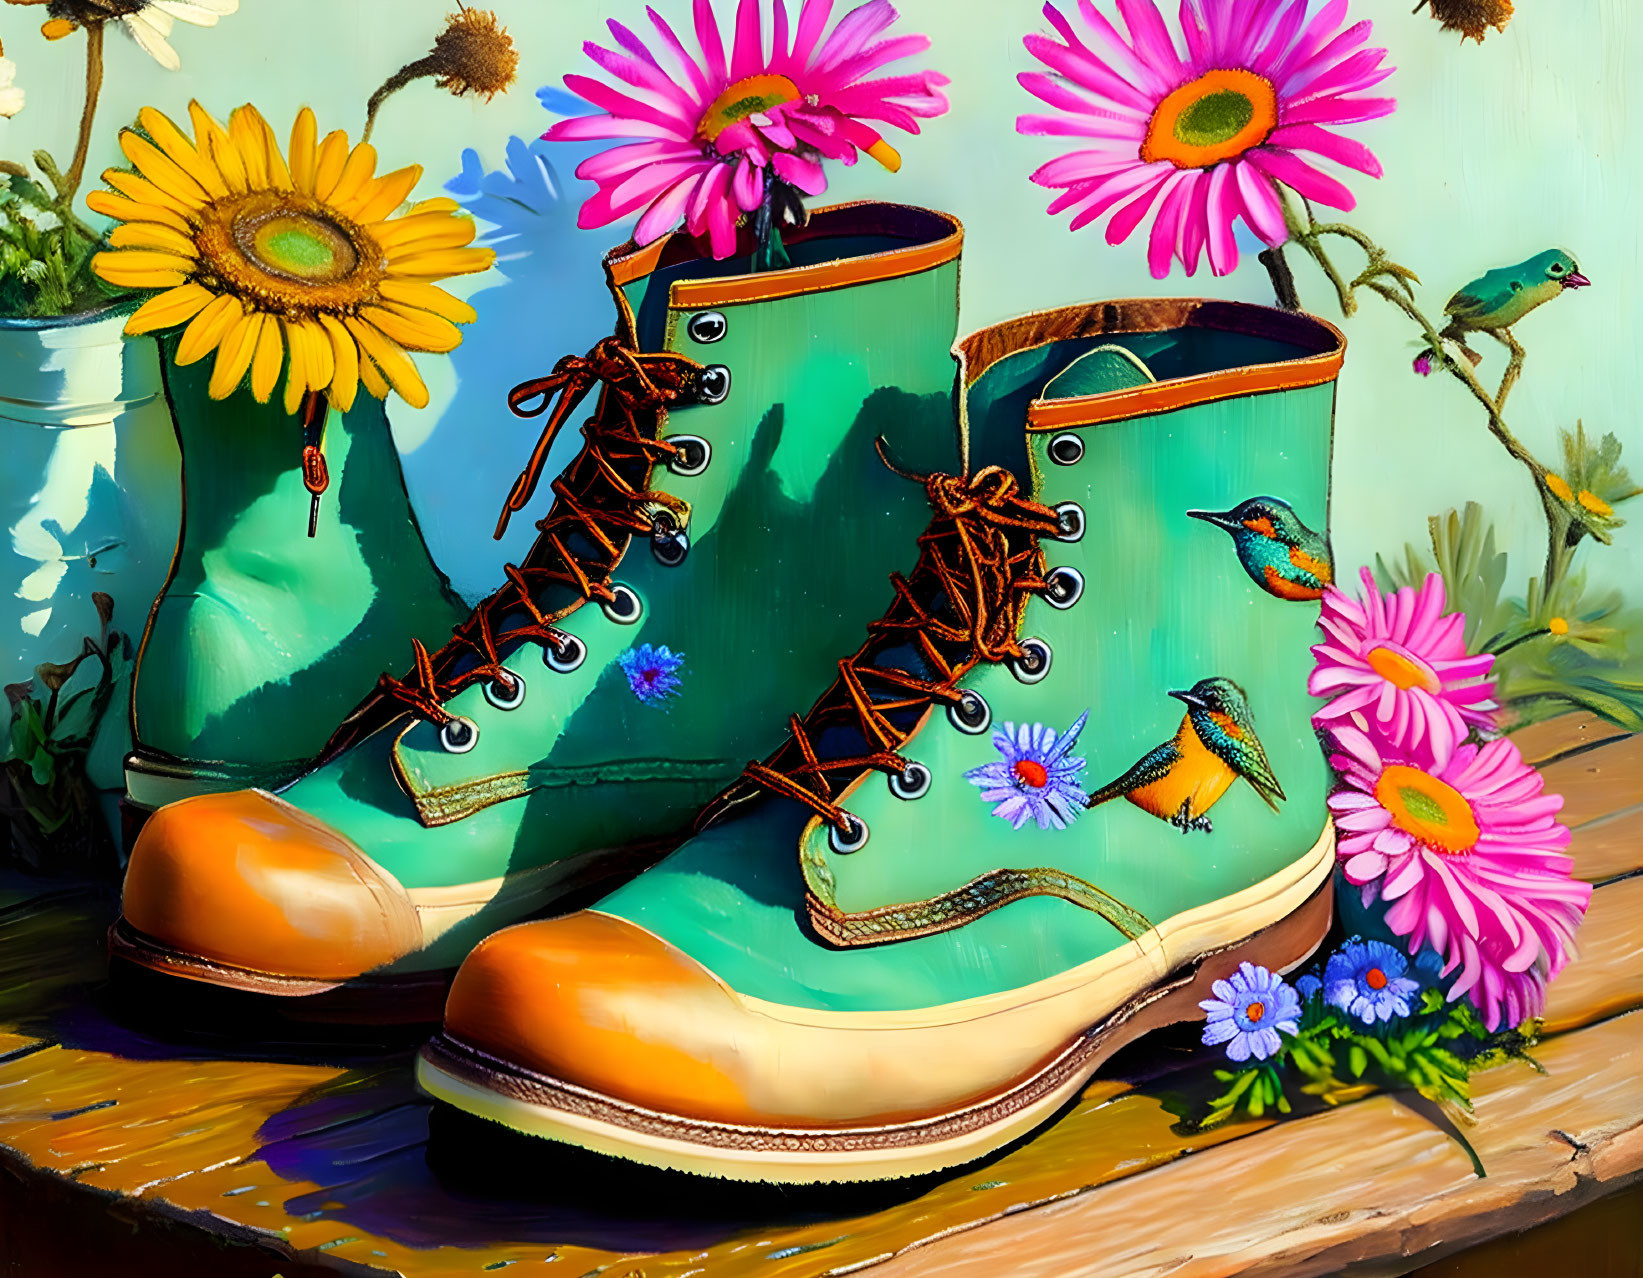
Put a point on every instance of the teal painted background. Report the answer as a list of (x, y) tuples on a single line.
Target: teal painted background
[(1496, 152)]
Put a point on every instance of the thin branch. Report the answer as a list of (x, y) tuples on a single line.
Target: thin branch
[(88, 113)]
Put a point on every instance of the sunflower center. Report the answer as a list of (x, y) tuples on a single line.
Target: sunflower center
[(743, 99), (1403, 670), (1031, 772), (1375, 979), (290, 253), (1254, 1012), (1215, 118), (298, 246), (1428, 809)]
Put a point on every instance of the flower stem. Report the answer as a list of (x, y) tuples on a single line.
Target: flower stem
[(769, 253), (88, 112), (1283, 279), (417, 70)]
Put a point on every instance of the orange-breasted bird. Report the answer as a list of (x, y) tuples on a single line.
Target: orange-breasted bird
[(1181, 780), (1281, 554)]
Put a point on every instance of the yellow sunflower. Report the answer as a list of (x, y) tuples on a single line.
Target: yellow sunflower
[(300, 266)]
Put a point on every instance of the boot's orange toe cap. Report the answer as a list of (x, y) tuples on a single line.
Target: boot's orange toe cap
[(248, 880), (594, 1000)]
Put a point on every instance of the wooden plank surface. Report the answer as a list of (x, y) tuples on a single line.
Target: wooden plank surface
[(326, 1153)]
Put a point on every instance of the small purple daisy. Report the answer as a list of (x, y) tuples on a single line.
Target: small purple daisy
[(1249, 1011), (652, 673), (1035, 780), (1367, 979)]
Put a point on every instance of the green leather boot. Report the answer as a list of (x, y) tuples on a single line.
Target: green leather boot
[(1068, 782), (718, 541), (263, 636)]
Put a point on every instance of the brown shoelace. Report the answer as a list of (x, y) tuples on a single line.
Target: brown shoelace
[(597, 508), (978, 562)]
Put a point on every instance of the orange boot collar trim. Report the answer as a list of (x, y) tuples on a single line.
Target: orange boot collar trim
[(933, 239), (1322, 347)]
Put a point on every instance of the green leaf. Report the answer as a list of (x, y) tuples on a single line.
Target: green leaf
[(1357, 1060)]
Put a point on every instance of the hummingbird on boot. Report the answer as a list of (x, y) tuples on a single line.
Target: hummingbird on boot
[(1493, 303), (1280, 553), (1181, 780)]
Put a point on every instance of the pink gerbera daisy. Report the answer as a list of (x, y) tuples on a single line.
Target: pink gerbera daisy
[(1203, 135), (1462, 845), (1399, 662), (709, 129)]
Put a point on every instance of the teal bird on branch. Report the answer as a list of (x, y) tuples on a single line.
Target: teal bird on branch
[(1181, 780), (1495, 302), (1282, 555)]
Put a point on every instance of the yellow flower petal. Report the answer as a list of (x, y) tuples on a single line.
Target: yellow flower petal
[(296, 376), (423, 231), (207, 329), (170, 139), (345, 357), (167, 310), (213, 141), (123, 209), (162, 170), (371, 378), (143, 191), (428, 297), (414, 330), (141, 268), (245, 131), (279, 176), (333, 155), (442, 262), (437, 204), (362, 162), (317, 356), (382, 196), (151, 235), (267, 359), (234, 355), (394, 363), (304, 154)]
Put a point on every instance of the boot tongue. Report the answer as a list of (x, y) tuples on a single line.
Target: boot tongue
[(1099, 372)]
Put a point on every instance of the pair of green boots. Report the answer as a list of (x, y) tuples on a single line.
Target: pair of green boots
[(915, 929)]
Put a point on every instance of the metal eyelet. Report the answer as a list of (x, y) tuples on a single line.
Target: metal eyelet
[(625, 608), (845, 844), (713, 384), (459, 736), (1033, 663), (1070, 515), (564, 660), (707, 327), (668, 542), (1063, 587), (692, 457), (1066, 450), (912, 782), (971, 714), (506, 694)]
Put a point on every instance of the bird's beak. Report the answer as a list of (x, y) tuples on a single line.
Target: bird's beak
[(1221, 519), (1190, 698), (1576, 280)]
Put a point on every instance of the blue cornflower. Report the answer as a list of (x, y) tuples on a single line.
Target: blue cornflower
[(1248, 1012), (1307, 986), (1037, 779), (1368, 980), (652, 672)]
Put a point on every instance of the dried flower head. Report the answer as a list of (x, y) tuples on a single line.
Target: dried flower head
[(1472, 18), (474, 54)]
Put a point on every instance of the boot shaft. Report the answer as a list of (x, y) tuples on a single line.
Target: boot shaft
[(264, 636)]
